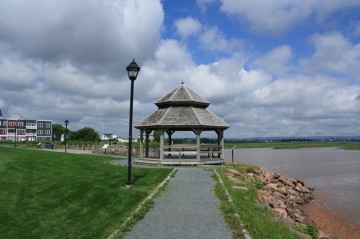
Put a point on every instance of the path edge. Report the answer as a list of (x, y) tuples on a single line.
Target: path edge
[(231, 201), (150, 197)]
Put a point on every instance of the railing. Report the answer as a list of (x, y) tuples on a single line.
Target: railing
[(179, 151)]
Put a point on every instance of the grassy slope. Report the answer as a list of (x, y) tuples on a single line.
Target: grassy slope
[(55, 195), (258, 221)]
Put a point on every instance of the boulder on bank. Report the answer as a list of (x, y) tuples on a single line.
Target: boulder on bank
[(284, 196)]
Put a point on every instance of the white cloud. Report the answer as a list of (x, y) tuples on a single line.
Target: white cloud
[(204, 3), (16, 75), (357, 28), (334, 54), (187, 26), (272, 16), (97, 36), (277, 60), (278, 16), (214, 40)]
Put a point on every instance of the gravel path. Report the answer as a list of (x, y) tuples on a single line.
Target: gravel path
[(188, 208)]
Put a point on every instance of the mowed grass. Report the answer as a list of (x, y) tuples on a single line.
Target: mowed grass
[(56, 195)]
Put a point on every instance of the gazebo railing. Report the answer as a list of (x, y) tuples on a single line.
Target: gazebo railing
[(181, 152)]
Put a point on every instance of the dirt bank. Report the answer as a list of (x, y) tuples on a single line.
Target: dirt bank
[(330, 220)]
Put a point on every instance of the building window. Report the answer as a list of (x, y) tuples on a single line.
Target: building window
[(47, 132), (20, 124), (5, 123), (40, 132), (47, 125), (40, 125)]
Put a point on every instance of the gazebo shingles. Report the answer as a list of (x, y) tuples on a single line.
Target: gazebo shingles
[(182, 95), (182, 108)]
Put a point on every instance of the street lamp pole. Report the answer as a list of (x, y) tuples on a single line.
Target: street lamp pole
[(65, 135), (16, 133), (133, 70)]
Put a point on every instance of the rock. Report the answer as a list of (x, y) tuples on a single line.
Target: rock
[(263, 199), (240, 188), (323, 235), (299, 200), (263, 192), (301, 182), (297, 206), (234, 171), (268, 176), (233, 179), (256, 170), (278, 195), (292, 192), (281, 204), (300, 219), (301, 235), (289, 183), (282, 190), (272, 186), (280, 212), (282, 179), (305, 190), (294, 181)]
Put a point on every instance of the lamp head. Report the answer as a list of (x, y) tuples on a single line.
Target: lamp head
[(133, 70)]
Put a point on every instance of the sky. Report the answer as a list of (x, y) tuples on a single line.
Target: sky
[(268, 68)]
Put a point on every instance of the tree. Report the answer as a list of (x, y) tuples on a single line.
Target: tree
[(85, 134), (58, 130), (156, 135)]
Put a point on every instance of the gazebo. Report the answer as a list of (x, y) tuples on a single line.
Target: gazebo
[(182, 110)]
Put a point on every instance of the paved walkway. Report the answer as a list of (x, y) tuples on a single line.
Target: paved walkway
[(188, 208)]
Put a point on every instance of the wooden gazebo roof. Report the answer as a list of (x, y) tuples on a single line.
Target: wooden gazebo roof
[(182, 109)]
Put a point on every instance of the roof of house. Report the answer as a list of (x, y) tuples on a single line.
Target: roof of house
[(182, 109)]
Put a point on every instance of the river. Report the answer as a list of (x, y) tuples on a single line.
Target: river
[(334, 173)]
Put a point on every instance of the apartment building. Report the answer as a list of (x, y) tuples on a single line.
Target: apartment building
[(18, 129)]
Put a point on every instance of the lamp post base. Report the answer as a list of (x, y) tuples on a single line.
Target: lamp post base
[(127, 185)]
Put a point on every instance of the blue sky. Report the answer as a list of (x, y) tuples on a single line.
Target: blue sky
[(268, 68)]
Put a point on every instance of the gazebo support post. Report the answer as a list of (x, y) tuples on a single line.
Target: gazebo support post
[(198, 134), (169, 133), (161, 145), (147, 132), (141, 143), (221, 144)]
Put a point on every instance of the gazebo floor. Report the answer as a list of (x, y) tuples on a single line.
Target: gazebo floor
[(175, 161)]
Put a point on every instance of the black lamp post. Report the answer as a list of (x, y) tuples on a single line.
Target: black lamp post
[(133, 70), (65, 135), (16, 124)]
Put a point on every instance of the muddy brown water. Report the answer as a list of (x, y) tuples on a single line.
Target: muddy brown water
[(334, 173)]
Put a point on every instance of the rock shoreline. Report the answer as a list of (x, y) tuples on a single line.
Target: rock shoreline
[(286, 197)]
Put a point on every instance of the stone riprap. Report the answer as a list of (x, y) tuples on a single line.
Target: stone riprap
[(284, 196)]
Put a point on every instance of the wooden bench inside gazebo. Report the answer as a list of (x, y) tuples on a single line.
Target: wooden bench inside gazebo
[(182, 110)]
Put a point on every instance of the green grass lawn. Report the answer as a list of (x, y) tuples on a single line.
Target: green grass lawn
[(56, 195)]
